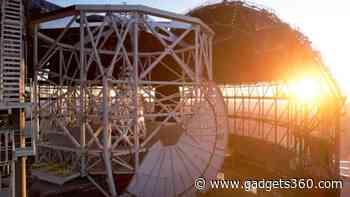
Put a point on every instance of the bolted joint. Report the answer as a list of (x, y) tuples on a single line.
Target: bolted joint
[(169, 51)]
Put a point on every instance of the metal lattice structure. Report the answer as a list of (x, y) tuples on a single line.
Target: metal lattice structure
[(7, 165), (103, 107), (258, 58), (16, 144), (126, 91), (15, 134), (309, 130)]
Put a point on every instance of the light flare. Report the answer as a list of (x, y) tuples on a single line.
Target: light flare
[(306, 90)]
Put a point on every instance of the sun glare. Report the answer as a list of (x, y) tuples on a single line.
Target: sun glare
[(306, 90)]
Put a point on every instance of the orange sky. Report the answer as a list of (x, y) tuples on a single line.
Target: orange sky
[(327, 24)]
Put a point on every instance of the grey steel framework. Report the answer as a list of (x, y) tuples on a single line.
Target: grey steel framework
[(15, 145), (15, 136), (111, 124), (7, 164), (310, 129)]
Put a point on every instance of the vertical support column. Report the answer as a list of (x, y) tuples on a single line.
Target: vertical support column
[(243, 109), (262, 112), (248, 112), (235, 110), (288, 122), (198, 66), (2, 4), (210, 72), (337, 131), (35, 101), (300, 138), (105, 123), (22, 160), (275, 113), (135, 38), (82, 96), (182, 92), (0, 180), (259, 112), (107, 139), (295, 130), (13, 170), (305, 134), (60, 80)]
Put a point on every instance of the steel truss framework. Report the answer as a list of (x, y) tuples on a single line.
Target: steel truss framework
[(114, 124), (7, 162), (15, 134), (15, 143), (270, 112)]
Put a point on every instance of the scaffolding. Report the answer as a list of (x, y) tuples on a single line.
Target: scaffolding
[(108, 104), (15, 134), (127, 90), (309, 129)]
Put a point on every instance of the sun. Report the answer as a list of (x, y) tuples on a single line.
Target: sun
[(306, 90)]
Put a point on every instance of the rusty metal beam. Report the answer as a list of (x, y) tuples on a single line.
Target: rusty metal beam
[(54, 15)]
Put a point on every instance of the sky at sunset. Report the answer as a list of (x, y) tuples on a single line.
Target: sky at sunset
[(326, 23)]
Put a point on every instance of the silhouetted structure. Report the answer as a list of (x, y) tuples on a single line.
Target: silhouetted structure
[(123, 93)]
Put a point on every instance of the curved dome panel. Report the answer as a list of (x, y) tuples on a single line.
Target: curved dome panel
[(253, 40)]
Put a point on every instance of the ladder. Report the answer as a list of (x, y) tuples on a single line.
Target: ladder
[(11, 53)]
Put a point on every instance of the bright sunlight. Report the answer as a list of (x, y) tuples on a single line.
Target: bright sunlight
[(306, 90)]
